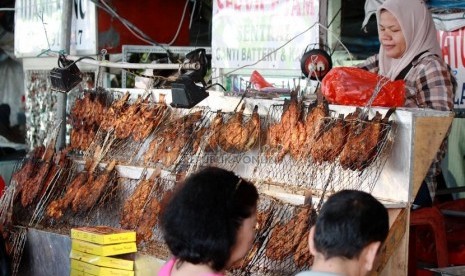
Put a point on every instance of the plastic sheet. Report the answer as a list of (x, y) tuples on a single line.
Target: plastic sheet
[(446, 4), (355, 86), (258, 80)]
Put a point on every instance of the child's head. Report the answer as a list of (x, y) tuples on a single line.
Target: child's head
[(351, 226), (348, 221), (211, 218)]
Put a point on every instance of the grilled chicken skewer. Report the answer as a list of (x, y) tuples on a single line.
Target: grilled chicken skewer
[(330, 141), (363, 143), (233, 135), (313, 124), (253, 129), (214, 132), (279, 135), (88, 194)]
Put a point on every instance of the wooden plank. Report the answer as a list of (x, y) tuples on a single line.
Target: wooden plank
[(428, 136), (391, 246)]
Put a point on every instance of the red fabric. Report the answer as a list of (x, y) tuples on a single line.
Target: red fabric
[(159, 19), (2, 186)]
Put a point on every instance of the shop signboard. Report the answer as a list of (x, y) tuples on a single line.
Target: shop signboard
[(84, 28), (39, 27), (453, 50), (278, 31)]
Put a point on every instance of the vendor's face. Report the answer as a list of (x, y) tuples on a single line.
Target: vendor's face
[(391, 36)]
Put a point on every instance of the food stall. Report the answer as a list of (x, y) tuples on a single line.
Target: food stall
[(393, 178), (122, 141)]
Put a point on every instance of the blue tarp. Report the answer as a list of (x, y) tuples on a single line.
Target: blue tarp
[(446, 4)]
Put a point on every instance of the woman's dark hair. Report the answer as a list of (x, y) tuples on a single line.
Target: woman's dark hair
[(349, 221), (201, 220)]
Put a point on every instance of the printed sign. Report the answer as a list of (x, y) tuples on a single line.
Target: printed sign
[(453, 49), (83, 28), (39, 27), (279, 31)]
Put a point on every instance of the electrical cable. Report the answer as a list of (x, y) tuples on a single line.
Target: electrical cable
[(41, 17), (154, 77), (287, 42), (7, 9), (335, 37), (192, 14), (137, 32), (216, 83), (62, 58), (334, 17), (180, 24), (270, 53), (130, 26), (124, 65)]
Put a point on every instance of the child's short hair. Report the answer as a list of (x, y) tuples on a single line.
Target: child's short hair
[(348, 221)]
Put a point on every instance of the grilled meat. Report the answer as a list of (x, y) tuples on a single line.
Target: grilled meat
[(149, 220), (280, 135), (82, 137), (124, 124), (199, 136), (34, 184), (313, 124), (57, 207), (168, 144), (53, 171), (298, 138), (278, 246), (148, 119), (134, 206), (20, 177), (302, 256), (233, 135), (362, 144), (286, 237), (89, 193), (214, 132), (253, 130), (114, 111), (329, 144)]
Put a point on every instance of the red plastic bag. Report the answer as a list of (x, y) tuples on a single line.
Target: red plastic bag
[(354, 86), (259, 81)]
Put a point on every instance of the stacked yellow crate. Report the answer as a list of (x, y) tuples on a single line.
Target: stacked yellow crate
[(99, 250)]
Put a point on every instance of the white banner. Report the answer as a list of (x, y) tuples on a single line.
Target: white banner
[(38, 27), (453, 50), (84, 28), (245, 31)]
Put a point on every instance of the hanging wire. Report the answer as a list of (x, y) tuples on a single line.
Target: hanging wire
[(131, 27), (180, 24), (41, 17), (284, 44)]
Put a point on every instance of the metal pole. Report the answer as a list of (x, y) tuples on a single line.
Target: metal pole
[(125, 65), (323, 21), (62, 97)]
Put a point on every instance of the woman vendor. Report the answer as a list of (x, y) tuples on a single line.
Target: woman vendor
[(410, 51)]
